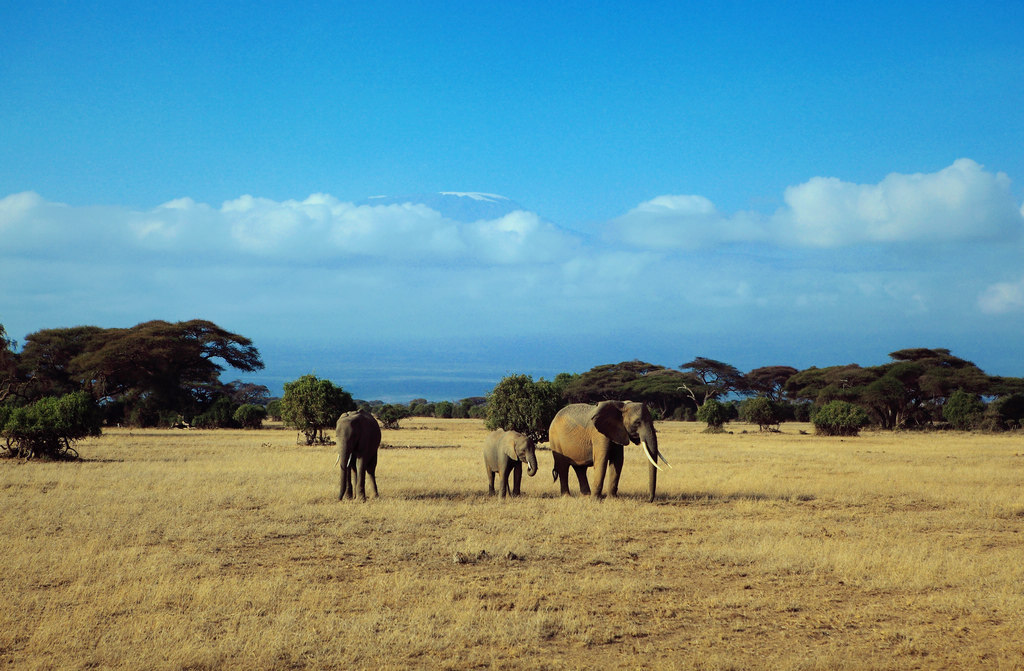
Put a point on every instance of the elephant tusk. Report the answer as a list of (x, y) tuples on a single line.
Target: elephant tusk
[(649, 457), (662, 457)]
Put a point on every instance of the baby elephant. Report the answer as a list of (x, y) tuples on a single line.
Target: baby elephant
[(505, 451)]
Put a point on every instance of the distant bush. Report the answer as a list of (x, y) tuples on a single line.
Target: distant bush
[(48, 427), (963, 410), (390, 415), (714, 413), (839, 418), (444, 410), (1004, 414), (250, 416), (517, 403), (312, 405), (802, 411), (762, 411), (221, 415)]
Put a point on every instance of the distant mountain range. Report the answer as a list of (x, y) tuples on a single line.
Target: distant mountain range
[(458, 206)]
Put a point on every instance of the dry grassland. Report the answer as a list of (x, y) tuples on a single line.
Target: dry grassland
[(229, 550)]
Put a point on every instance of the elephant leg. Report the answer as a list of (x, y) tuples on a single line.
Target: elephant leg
[(581, 475), (343, 487), (490, 480), (561, 471), (505, 468), (517, 477), (614, 469), (372, 476), (599, 470), (361, 474)]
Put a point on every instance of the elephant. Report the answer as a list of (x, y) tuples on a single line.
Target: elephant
[(358, 437), (584, 435), (504, 452)]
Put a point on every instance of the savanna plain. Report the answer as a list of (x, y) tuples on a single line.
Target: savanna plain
[(229, 550)]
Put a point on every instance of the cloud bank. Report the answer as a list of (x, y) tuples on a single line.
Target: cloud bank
[(961, 203), (319, 228), (834, 260)]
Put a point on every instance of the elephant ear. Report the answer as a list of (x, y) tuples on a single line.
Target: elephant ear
[(607, 418)]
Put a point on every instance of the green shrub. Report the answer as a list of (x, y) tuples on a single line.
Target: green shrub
[(714, 413), (839, 418), (312, 405), (761, 411), (963, 410), (250, 416), (517, 403), (49, 426), (221, 415), (1004, 414), (390, 415)]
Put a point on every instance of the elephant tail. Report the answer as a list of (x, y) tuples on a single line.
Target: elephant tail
[(338, 460)]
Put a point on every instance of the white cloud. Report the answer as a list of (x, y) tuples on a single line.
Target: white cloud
[(683, 221), (962, 202), (265, 267), (1002, 298), (318, 229)]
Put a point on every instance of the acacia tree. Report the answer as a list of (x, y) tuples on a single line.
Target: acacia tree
[(709, 378), (153, 367), (770, 381), (908, 391), (657, 386), (8, 366), (312, 405)]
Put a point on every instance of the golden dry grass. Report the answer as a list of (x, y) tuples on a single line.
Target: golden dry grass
[(229, 549)]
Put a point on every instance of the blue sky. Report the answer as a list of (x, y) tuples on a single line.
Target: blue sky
[(805, 184)]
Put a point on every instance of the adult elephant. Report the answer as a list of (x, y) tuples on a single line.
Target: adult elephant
[(584, 435), (358, 437)]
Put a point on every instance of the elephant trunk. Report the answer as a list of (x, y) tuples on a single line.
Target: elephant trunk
[(649, 443), (531, 463)]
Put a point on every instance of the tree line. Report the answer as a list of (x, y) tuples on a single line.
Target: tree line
[(65, 383), (918, 388)]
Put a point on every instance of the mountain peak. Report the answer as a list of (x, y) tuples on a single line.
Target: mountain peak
[(463, 206)]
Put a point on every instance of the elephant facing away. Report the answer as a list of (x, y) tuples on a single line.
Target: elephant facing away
[(358, 437), (504, 453), (584, 435)]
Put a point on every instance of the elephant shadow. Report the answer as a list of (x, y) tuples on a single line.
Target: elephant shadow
[(470, 496), (689, 498)]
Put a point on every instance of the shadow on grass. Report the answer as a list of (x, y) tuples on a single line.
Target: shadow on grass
[(472, 496), (681, 499), (689, 498)]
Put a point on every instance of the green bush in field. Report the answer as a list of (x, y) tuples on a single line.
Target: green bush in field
[(963, 410), (1005, 413), (391, 414), (48, 427), (762, 411), (312, 406), (250, 416), (714, 414), (839, 418), (517, 403)]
